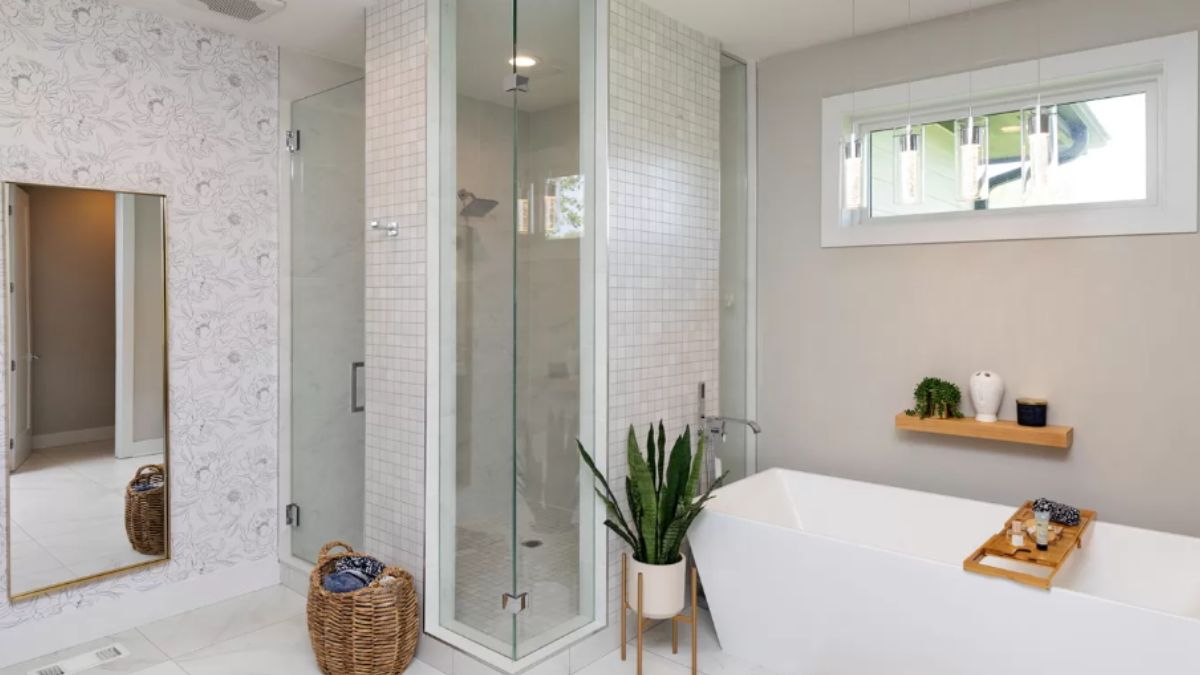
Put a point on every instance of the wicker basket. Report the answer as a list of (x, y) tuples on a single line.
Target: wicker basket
[(145, 512), (371, 631)]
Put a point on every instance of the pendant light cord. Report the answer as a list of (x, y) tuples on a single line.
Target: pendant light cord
[(971, 71), (909, 112), (853, 69)]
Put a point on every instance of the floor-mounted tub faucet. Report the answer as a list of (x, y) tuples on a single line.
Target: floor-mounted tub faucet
[(714, 428)]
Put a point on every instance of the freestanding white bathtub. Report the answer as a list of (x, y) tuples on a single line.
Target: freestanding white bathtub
[(824, 576)]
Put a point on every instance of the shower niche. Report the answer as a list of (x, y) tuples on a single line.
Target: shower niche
[(515, 545)]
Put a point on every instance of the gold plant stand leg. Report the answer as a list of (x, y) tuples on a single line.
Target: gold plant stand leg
[(692, 618), (626, 607), (624, 602)]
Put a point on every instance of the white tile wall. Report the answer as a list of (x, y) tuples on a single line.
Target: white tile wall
[(664, 231), (664, 239), (395, 300)]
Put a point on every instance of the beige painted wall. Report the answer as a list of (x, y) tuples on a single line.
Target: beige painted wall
[(72, 300), (1106, 328)]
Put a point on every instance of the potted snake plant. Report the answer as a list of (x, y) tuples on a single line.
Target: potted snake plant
[(663, 498)]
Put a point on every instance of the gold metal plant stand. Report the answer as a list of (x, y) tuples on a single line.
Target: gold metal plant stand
[(691, 617)]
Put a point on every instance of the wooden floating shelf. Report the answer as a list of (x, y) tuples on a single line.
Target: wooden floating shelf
[(1002, 430)]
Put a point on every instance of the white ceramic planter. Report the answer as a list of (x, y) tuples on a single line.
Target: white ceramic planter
[(987, 393), (663, 588)]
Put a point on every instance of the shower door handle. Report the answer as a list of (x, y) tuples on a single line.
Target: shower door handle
[(355, 404)]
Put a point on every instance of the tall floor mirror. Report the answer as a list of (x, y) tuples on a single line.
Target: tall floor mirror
[(85, 331)]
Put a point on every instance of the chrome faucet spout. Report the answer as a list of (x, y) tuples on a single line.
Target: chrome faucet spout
[(750, 423)]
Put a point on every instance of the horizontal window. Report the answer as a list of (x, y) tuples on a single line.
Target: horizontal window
[(1100, 157), (1094, 143)]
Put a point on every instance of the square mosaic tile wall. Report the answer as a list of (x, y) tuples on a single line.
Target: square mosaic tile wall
[(395, 300), (664, 231)]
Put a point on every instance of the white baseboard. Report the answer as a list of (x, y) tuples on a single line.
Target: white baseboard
[(150, 446), (38, 637), (61, 438)]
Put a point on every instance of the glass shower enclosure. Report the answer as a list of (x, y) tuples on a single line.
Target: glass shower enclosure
[(513, 537)]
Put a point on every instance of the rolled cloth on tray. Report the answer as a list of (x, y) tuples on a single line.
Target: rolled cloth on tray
[(1059, 513)]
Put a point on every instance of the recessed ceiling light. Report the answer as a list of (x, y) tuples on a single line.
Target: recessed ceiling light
[(523, 61)]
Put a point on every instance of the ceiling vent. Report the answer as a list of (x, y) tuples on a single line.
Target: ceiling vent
[(243, 10)]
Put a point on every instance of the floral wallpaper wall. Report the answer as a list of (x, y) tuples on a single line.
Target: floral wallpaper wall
[(95, 94)]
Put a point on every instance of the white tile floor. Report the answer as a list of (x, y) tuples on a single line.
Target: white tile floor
[(68, 514), (264, 633)]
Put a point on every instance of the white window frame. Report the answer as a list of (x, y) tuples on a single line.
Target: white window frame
[(1165, 69)]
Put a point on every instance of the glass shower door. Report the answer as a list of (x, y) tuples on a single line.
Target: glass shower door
[(516, 527), (328, 344), (554, 309)]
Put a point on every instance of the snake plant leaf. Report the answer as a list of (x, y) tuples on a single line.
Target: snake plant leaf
[(608, 497), (677, 476), (620, 533), (614, 514), (693, 481), (652, 460), (662, 455), (643, 486)]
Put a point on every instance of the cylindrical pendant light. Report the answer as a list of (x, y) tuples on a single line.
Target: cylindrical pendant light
[(909, 186), (854, 167), (1039, 140), (853, 157), (910, 165), (971, 150), (1039, 148)]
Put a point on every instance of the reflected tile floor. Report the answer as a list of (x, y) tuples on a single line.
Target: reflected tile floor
[(264, 633), (68, 514)]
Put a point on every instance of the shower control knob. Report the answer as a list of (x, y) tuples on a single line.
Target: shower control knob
[(374, 224)]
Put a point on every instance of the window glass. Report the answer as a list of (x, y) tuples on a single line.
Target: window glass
[(1102, 157)]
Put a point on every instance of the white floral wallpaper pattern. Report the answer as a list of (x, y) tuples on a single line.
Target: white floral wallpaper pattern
[(95, 94)]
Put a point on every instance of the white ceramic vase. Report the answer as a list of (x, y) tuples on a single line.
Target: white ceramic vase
[(987, 393), (663, 588)]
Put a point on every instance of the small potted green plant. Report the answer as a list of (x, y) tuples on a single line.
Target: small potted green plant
[(663, 502), (936, 398)]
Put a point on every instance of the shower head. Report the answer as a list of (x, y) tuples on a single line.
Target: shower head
[(474, 207)]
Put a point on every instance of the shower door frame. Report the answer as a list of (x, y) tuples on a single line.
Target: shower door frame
[(593, 267)]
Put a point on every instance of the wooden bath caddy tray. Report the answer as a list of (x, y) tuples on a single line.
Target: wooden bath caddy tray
[(1050, 561)]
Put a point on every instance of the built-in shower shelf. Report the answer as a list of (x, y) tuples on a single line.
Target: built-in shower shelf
[(1006, 431)]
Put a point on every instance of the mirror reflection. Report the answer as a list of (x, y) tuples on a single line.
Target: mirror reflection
[(86, 340)]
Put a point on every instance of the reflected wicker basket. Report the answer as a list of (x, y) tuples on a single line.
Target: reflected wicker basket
[(145, 510), (371, 631)]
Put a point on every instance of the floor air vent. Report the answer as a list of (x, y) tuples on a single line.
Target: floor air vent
[(78, 664), (244, 10)]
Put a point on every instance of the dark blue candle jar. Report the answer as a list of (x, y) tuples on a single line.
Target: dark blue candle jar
[(1031, 412)]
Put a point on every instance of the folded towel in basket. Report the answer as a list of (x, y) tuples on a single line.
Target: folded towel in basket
[(346, 581), (352, 573), (365, 564), (1059, 513), (147, 484)]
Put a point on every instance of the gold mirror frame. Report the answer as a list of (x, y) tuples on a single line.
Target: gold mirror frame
[(7, 253)]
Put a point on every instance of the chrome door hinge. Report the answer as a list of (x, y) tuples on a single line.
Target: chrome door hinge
[(293, 140), (291, 515), (514, 604)]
